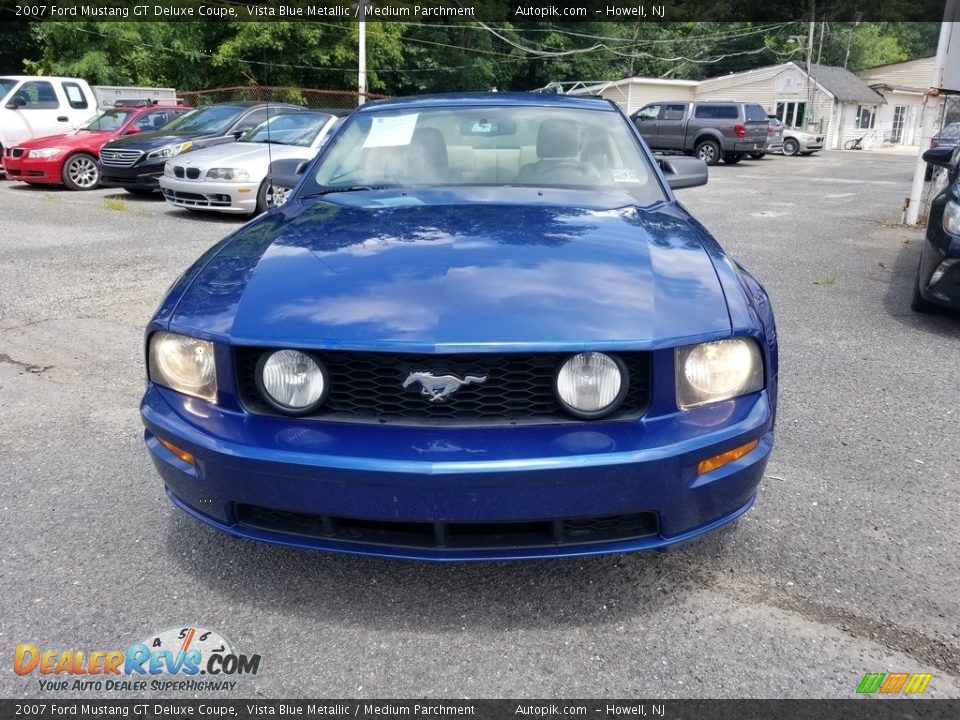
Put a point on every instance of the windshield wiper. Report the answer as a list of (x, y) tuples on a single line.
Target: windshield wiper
[(343, 188)]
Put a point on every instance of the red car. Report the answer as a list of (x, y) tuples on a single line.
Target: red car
[(71, 159)]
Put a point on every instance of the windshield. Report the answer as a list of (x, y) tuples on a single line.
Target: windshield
[(293, 129), (213, 119), (109, 121), (496, 145), (6, 84)]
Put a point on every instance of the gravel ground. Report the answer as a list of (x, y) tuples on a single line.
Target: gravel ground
[(847, 563)]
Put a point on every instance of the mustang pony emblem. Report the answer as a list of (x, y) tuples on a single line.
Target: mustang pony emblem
[(439, 387)]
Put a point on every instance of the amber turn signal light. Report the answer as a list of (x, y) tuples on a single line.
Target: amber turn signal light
[(718, 461), (183, 454)]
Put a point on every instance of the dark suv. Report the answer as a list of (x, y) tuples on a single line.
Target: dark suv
[(135, 162), (710, 130)]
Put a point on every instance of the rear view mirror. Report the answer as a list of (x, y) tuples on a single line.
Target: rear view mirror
[(683, 172), (286, 173)]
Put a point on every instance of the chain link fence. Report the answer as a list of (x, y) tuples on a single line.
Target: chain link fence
[(946, 133), (308, 97)]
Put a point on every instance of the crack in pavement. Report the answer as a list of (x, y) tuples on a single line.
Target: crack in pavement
[(30, 368), (914, 644)]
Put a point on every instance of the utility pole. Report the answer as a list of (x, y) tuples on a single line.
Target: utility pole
[(927, 114), (809, 104), (856, 21), (362, 55)]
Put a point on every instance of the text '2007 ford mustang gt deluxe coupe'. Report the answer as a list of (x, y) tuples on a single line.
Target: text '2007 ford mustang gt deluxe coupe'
[(481, 327)]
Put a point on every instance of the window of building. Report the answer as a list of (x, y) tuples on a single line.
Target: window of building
[(792, 113), (866, 117)]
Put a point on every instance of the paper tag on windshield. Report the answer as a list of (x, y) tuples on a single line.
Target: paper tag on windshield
[(391, 131), (625, 175)]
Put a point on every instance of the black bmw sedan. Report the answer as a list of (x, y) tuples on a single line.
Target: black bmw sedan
[(938, 277)]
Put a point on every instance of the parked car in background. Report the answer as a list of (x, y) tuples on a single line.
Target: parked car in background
[(482, 327), (136, 163), (34, 106), (937, 284), (71, 158), (233, 177), (948, 136), (800, 142), (710, 130), (774, 137)]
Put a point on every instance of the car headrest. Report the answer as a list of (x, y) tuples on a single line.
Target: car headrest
[(429, 142), (556, 139)]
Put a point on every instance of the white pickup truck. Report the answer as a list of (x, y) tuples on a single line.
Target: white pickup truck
[(33, 106)]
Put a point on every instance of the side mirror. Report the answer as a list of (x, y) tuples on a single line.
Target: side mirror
[(17, 102), (683, 172), (939, 156), (132, 130), (286, 173)]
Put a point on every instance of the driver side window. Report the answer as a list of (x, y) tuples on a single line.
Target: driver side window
[(650, 112)]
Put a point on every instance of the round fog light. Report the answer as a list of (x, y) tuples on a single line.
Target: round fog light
[(591, 384), (292, 381)]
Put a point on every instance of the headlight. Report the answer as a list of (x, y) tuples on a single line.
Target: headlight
[(292, 381), (184, 364), (951, 218), (227, 174), (168, 170), (169, 151), (719, 370), (45, 152), (591, 384)]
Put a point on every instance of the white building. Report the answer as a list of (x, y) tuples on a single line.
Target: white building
[(903, 85), (827, 100)]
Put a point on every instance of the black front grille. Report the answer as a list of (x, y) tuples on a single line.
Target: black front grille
[(178, 171), (519, 389), (451, 535), (17, 152), (193, 173)]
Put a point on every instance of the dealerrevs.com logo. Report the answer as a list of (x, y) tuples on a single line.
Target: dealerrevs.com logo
[(191, 658)]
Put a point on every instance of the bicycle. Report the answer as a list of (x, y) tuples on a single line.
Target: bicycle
[(855, 144)]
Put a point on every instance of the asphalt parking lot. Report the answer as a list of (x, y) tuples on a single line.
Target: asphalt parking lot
[(847, 564)]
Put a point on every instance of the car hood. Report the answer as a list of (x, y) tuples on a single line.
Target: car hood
[(157, 139), (324, 274), (252, 157), (74, 138)]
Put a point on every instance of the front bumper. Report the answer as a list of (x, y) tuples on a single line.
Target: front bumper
[(939, 274), (810, 144), (221, 196), (46, 171), (142, 176), (418, 492)]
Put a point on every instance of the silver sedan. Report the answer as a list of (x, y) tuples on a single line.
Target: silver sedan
[(233, 177)]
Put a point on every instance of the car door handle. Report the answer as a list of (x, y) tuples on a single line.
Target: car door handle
[(63, 118)]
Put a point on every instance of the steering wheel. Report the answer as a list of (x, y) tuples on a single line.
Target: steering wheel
[(573, 169)]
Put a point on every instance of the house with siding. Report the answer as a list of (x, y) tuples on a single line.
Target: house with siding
[(904, 86), (826, 100)]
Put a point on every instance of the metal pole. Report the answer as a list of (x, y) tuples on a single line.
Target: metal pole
[(809, 104), (927, 114), (856, 21), (362, 57)]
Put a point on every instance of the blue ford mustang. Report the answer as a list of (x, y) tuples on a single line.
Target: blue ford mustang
[(482, 327)]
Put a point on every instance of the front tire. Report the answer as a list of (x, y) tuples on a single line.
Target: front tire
[(918, 303), (732, 158), (80, 172), (270, 196), (791, 147), (708, 151), (142, 192)]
